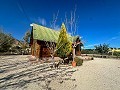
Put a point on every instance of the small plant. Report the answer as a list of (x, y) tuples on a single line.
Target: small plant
[(78, 61), (116, 54)]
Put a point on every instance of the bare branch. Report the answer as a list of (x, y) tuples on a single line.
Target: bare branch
[(66, 21), (58, 48), (53, 23)]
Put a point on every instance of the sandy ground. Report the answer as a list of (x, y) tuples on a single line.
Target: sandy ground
[(17, 73), (97, 74)]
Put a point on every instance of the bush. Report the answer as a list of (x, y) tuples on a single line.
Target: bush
[(78, 61), (6, 41), (116, 53)]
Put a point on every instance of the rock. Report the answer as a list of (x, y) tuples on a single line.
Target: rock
[(49, 79), (71, 70), (73, 79), (1, 71), (61, 81)]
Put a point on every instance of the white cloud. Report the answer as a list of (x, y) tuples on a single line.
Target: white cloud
[(91, 45), (112, 39), (39, 20), (70, 33), (115, 37), (56, 27), (42, 21)]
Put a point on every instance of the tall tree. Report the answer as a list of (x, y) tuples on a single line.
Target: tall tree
[(6, 41), (26, 38), (102, 49), (66, 47)]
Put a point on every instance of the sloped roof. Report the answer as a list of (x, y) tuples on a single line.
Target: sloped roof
[(46, 34)]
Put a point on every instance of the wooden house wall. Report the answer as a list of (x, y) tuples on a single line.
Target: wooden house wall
[(39, 49)]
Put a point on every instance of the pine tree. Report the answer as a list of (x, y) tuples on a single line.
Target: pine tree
[(63, 45)]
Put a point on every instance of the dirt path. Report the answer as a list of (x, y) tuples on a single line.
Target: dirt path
[(17, 73), (99, 74)]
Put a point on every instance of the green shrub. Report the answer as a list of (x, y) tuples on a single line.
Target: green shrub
[(78, 61), (116, 53)]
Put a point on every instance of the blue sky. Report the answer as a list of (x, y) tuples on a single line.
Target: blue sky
[(98, 22)]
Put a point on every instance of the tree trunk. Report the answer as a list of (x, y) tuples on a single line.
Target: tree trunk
[(73, 53)]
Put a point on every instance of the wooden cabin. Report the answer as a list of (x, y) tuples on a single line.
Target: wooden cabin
[(40, 35)]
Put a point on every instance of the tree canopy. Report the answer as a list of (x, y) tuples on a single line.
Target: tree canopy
[(102, 49), (26, 39), (6, 41)]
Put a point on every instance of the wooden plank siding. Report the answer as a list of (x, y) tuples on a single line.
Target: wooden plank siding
[(39, 49)]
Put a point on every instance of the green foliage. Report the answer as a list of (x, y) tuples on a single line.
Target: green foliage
[(63, 45), (102, 49), (89, 51), (27, 37), (116, 53), (6, 41), (78, 61)]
